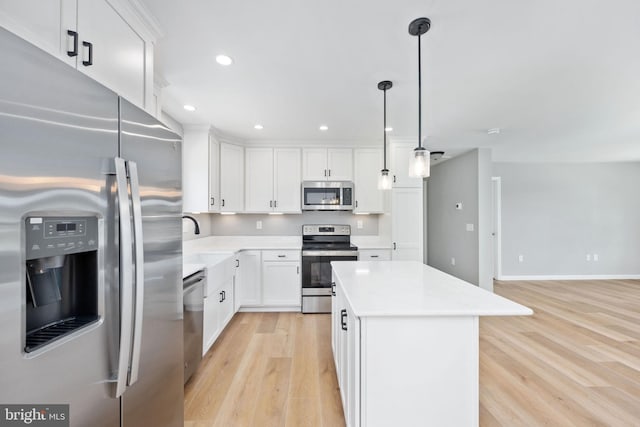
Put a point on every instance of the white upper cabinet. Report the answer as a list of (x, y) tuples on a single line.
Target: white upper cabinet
[(200, 153), (401, 153), (273, 180), (406, 224), (106, 40), (327, 164), (259, 180), (368, 163), (287, 180), (231, 178)]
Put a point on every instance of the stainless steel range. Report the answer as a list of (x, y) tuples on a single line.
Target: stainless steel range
[(322, 244)]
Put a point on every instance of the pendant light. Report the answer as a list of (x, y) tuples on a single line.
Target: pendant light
[(419, 163), (384, 182)]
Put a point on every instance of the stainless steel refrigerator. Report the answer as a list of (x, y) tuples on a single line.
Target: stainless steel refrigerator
[(90, 248)]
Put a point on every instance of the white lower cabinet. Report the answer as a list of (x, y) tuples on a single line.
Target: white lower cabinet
[(281, 283), (249, 279), (219, 304), (374, 255)]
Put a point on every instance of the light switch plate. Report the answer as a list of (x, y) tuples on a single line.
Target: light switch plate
[(359, 223), (470, 227), (258, 225)]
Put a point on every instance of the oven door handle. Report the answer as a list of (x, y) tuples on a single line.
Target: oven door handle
[(330, 253)]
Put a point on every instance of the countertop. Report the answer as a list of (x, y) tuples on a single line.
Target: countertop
[(238, 243), (370, 242), (189, 268), (410, 288)]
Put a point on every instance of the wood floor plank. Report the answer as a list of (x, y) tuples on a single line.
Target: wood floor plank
[(270, 409)]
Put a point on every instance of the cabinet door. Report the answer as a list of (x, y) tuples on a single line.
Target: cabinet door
[(210, 322), (214, 175), (248, 279), (352, 410), (281, 283), (42, 23), (374, 255), (231, 178), (368, 163), (226, 306), (340, 164), (314, 164), (196, 175), (287, 180), (401, 154), (406, 224), (259, 180), (118, 51)]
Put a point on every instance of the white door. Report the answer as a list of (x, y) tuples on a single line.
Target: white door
[(226, 306), (231, 178), (406, 224), (314, 164), (401, 154), (118, 51), (287, 180), (259, 180), (42, 23), (214, 175), (340, 164), (367, 166), (248, 279), (281, 283)]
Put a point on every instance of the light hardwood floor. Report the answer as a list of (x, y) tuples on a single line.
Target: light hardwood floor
[(576, 362)]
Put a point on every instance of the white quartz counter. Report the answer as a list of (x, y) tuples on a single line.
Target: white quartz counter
[(409, 288), (237, 243), (370, 242), (189, 268)]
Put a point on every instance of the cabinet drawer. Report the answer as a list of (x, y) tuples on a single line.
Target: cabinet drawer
[(286, 255), (374, 255)]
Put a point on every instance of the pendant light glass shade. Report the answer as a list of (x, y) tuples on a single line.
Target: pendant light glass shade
[(419, 163), (419, 166), (384, 181)]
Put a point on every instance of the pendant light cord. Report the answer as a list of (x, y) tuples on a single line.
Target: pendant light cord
[(384, 130), (419, 93)]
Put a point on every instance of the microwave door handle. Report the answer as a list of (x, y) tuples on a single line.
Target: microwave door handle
[(138, 243), (126, 276)]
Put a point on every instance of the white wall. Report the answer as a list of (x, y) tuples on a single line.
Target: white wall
[(464, 179), (554, 214)]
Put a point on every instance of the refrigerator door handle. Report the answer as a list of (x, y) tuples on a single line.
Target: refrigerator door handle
[(126, 277), (138, 243)]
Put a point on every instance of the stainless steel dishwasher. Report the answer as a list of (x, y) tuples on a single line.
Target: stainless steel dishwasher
[(193, 304)]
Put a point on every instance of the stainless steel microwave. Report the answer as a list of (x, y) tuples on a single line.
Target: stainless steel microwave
[(327, 196)]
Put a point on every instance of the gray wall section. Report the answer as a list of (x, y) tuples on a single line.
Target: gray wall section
[(464, 179), (277, 225), (555, 214)]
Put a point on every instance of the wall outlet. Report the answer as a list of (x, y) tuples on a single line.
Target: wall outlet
[(520, 258), (595, 257), (459, 206), (470, 227), (588, 257), (359, 223), (453, 261), (258, 225)]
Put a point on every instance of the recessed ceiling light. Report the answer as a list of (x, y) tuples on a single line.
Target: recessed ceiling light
[(224, 60), (189, 107), (324, 127), (258, 126), (493, 131), (388, 129)]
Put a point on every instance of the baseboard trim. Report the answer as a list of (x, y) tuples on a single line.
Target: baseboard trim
[(269, 309), (572, 277)]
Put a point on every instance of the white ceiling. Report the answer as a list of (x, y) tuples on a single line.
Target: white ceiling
[(561, 79)]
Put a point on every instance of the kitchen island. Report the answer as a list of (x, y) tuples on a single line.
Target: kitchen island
[(405, 343)]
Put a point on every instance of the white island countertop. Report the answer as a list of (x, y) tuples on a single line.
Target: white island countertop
[(410, 288)]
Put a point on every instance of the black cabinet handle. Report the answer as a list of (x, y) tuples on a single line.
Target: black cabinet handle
[(282, 256), (298, 269), (237, 263), (343, 319), (73, 34), (221, 297), (270, 203), (275, 203), (394, 178), (394, 246), (224, 295), (213, 201), (329, 172), (333, 288), (374, 256), (90, 61), (325, 172), (356, 203), (222, 202)]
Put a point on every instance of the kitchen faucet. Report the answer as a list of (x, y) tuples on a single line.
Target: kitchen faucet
[(195, 221)]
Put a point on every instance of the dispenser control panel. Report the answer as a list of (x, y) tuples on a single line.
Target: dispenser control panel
[(50, 236)]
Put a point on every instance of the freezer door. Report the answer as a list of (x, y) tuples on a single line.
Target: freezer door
[(156, 396), (58, 134)]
